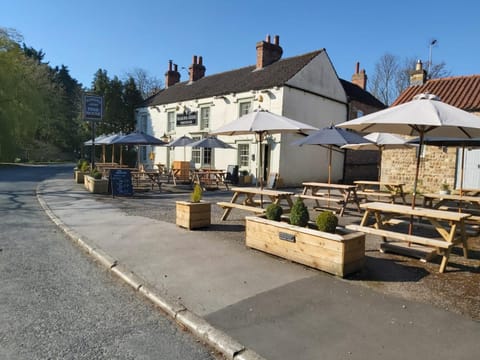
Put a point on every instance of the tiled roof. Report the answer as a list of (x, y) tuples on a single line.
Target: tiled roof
[(235, 81), (459, 91), (245, 79), (356, 93)]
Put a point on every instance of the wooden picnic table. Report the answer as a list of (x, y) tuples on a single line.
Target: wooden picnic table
[(151, 176), (250, 200), (380, 189), (449, 225), (331, 193), (208, 178)]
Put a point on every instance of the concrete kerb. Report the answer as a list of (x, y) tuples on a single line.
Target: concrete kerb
[(198, 326)]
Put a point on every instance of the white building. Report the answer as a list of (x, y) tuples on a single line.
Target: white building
[(305, 88)]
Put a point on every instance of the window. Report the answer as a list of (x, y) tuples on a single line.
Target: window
[(244, 107), (201, 156), (142, 124), (170, 121), (243, 155), (204, 118), (196, 152)]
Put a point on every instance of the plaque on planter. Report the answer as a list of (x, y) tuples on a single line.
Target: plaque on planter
[(120, 182)]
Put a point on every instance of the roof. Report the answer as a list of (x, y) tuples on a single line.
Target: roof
[(356, 93), (459, 91), (234, 81)]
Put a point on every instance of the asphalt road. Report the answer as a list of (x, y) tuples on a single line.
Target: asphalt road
[(57, 303)]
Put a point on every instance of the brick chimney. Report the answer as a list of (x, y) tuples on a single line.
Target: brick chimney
[(418, 76), (359, 78), (268, 53), (196, 70), (172, 76)]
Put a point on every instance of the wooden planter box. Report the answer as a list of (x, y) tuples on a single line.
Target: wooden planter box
[(79, 176), (245, 180), (96, 186), (338, 254), (193, 215)]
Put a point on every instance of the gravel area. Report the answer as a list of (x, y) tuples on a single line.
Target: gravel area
[(456, 290)]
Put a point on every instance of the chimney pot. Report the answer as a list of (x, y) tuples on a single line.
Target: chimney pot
[(268, 53), (276, 40), (200, 60), (357, 68)]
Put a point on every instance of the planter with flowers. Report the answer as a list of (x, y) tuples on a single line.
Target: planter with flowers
[(95, 183)]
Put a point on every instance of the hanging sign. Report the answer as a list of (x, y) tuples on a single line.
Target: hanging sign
[(92, 107)]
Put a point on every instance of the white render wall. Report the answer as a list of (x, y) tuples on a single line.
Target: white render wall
[(320, 102)]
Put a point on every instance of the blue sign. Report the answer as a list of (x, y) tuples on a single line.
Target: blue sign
[(120, 182), (92, 107)]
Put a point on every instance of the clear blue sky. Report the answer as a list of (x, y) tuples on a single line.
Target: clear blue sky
[(122, 35)]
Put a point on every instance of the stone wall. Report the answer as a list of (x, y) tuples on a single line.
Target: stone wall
[(436, 167)]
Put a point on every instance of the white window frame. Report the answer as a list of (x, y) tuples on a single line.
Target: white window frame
[(205, 115), (171, 121), (243, 160), (241, 110)]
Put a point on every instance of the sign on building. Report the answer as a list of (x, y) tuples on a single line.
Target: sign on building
[(186, 119), (92, 107)]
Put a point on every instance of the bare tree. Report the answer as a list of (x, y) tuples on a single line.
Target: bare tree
[(147, 84), (392, 76)]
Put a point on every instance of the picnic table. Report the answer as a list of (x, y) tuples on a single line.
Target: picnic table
[(380, 189), (330, 193), (250, 200), (152, 177), (208, 178), (449, 225)]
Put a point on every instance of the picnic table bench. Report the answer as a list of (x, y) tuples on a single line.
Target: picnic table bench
[(330, 193), (449, 225), (250, 201), (378, 189)]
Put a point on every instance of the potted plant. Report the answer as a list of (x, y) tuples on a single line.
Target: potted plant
[(82, 168), (195, 213), (244, 178), (322, 245), (95, 183), (444, 189)]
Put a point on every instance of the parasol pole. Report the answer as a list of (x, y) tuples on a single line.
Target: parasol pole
[(461, 171), (417, 170)]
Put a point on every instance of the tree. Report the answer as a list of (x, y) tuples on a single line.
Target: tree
[(392, 76), (146, 84)]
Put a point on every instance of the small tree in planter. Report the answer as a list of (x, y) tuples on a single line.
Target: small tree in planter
[(95, 183), (327, 221), (83, 168), (299, 214), (195, 213), (274, 212)]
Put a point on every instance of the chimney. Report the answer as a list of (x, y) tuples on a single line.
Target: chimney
[(418, 76), (172, 76), (359, 78), (196, 70), (268, 53)]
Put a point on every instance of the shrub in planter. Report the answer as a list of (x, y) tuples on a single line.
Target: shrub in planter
[(299, 214), (196, 195), (274, 212), (96, 174), (84, 166), (327, 221)]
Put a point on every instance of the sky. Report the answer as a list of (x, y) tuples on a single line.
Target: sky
[(120, 36)]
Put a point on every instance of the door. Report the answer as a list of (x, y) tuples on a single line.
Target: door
[(471, 176)]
